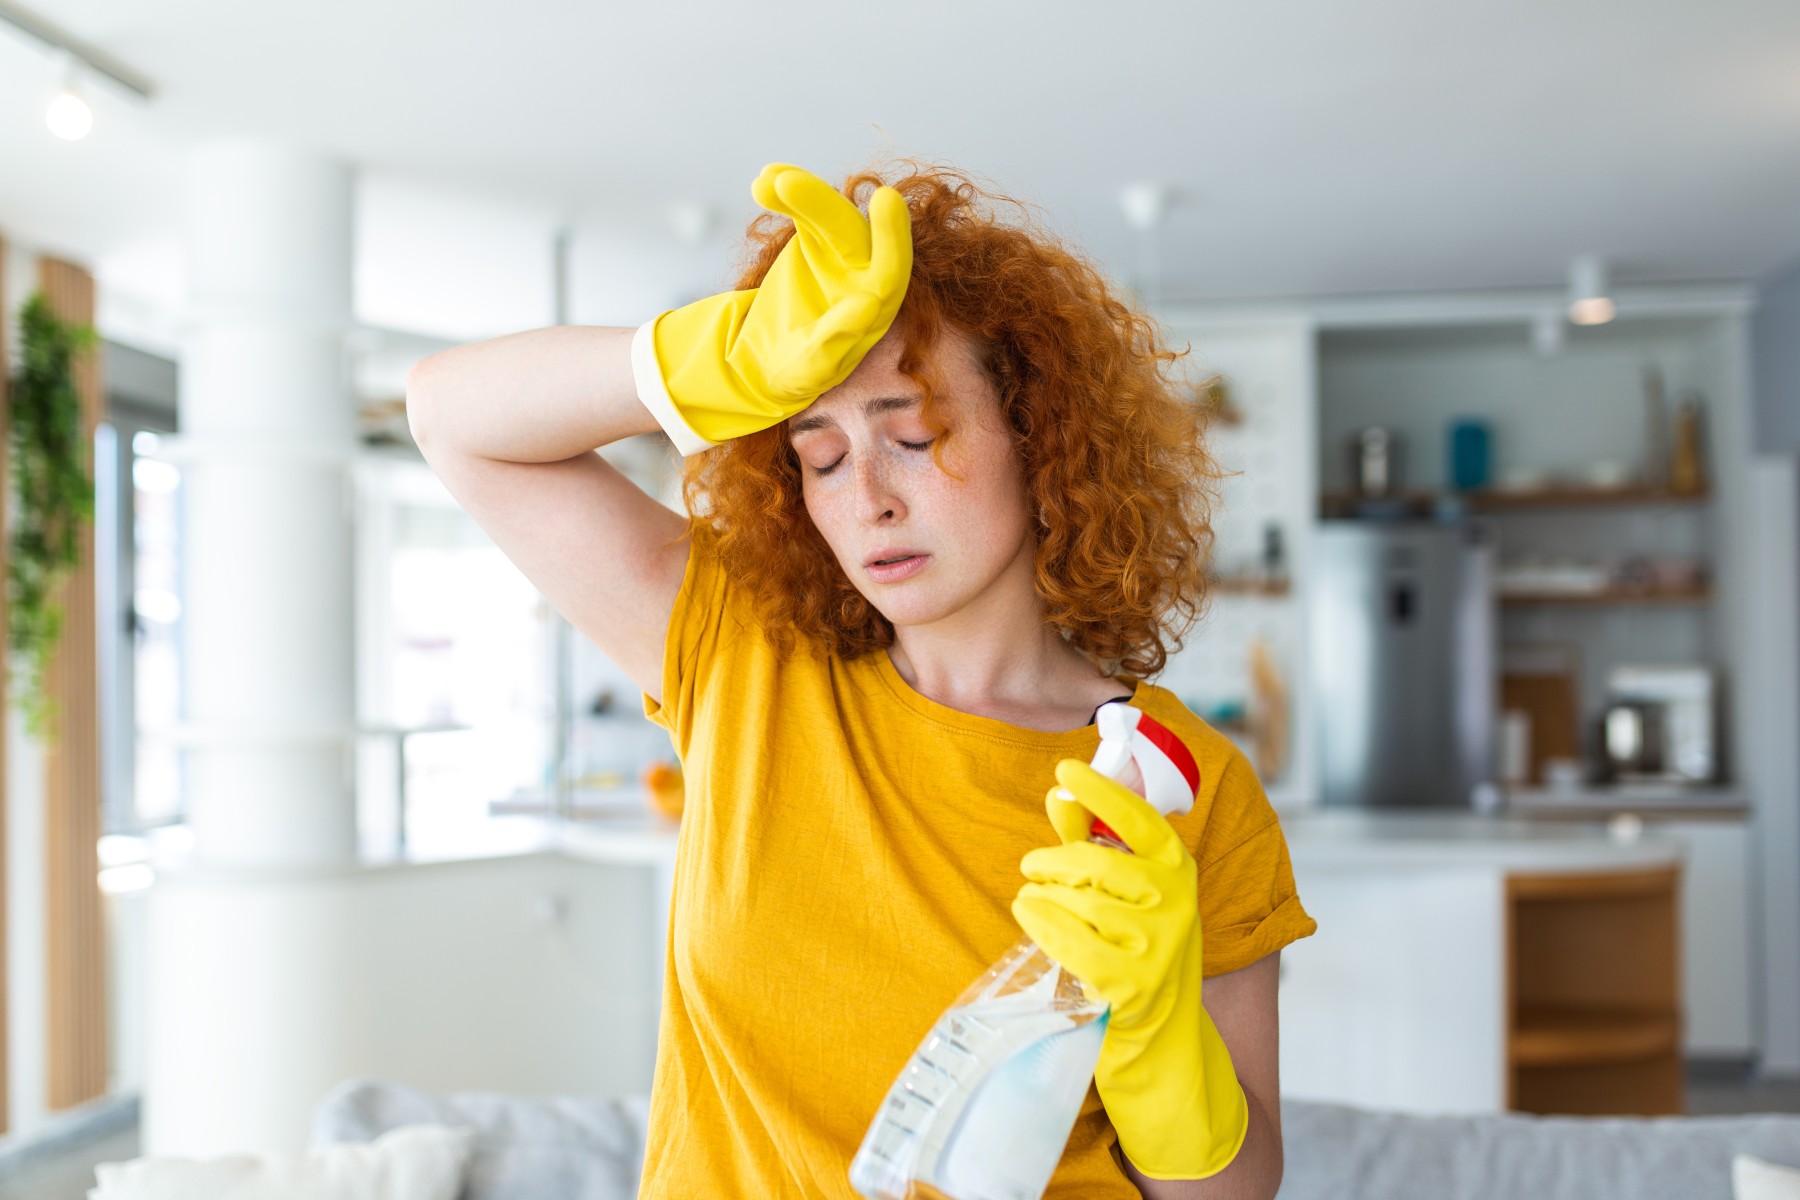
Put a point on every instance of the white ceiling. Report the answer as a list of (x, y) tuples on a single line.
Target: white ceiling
[(1318, 146)]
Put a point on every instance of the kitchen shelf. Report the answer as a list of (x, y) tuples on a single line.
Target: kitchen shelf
[(1563, 1037), (1495, 500), (1353, 504), (1249, 585), (1697, 594)]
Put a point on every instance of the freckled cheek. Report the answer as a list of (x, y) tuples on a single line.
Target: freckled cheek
[(984, 514), (831, 511), (993, 507)]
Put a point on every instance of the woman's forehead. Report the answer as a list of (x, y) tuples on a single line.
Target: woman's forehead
[(844, 406), (879, 388)]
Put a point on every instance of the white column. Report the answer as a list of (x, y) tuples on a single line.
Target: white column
[(267, 429), (248, 992)]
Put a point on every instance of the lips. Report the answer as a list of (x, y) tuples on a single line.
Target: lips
[(889, 557), (893, 565)]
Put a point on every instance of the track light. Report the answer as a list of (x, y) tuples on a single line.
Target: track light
[(68, 115), (1589, 303)]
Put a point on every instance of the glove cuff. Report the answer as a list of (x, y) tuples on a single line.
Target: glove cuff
[(653, 391), (1178, 1109), (1223, 1136)]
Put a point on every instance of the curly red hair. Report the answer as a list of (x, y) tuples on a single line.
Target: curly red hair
[(1112, 446)]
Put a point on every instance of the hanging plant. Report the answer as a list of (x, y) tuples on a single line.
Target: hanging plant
[(55, 495)]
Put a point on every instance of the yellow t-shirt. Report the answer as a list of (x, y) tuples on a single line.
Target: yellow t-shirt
[(848, 856)]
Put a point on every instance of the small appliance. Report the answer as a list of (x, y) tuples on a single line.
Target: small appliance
[(1661, 723)]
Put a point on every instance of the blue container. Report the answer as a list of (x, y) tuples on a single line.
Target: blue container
[(1470, 456)]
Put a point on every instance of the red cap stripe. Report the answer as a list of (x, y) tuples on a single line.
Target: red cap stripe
[(1174, 748)]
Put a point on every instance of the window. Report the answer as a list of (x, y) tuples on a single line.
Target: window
[(452, 635)]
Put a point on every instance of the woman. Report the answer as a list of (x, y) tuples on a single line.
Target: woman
[(946, 504)]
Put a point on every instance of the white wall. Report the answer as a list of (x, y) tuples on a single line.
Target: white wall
[(1269, 366), (26, 943)]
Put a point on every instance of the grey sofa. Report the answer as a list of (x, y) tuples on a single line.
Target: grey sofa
[(569, 1148), (1341, 1153)]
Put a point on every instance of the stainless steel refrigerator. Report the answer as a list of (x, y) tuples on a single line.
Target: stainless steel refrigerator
[(1403, 646)]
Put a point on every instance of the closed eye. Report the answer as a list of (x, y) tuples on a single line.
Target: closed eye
[(833, 465)]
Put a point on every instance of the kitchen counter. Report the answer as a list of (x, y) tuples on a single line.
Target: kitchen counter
[(1651, 801), (1362, 839), (1417, 943)]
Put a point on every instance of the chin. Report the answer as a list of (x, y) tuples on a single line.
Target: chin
[(910, 610), (912, 606)]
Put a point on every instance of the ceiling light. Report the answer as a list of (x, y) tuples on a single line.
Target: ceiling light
[(1589, 303), (69, 116), (1146, 207), (1145, 204)]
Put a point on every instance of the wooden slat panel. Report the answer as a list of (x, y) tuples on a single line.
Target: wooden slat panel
[(5, 522), (77, 980)]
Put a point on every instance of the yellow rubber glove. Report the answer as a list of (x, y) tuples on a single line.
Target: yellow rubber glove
[(737, 362), (1128, 926)]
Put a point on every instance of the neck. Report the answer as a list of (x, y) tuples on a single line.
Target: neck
[(996, 656)]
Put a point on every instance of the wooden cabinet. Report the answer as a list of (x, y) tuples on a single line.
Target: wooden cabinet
[(1594, 991)]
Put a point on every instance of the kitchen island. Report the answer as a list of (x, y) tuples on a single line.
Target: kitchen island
[(1470, 963)]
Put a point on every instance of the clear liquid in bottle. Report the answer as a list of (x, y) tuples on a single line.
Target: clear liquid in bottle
[(984, 1107)]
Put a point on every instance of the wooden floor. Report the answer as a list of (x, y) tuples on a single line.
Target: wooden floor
[(1710, 1091)]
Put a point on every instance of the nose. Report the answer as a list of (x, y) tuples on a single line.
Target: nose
[(876, 499)]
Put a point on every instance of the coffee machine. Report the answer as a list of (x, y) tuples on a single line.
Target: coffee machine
[(1660, 724)]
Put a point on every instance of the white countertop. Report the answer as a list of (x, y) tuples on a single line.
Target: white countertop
[(1649, 799), (1318, 839), (642, 837), (1353, 839)]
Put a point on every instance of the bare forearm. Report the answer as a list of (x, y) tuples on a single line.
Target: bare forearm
[(1255, 1174), (543, 395)]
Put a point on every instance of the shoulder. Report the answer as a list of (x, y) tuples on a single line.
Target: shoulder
[(710, 592)]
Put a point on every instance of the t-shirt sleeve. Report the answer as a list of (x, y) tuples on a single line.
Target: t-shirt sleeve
[(1249, 906), (698, 626)]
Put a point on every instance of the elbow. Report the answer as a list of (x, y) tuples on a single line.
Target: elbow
[(415, 401)]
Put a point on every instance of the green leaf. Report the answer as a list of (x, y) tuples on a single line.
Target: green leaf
[(55, 497)]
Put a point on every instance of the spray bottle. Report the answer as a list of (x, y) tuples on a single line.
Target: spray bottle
[(983, 1108)]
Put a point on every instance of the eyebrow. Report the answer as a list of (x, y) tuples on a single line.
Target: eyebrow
[(807, 422)]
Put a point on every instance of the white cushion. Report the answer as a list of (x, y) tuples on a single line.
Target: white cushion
[(417, 1162), (1753, 1178)]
